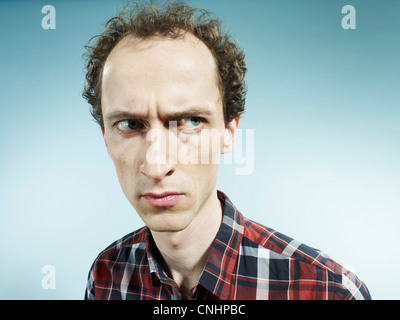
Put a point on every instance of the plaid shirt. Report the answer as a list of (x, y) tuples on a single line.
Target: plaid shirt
[(246, 261)]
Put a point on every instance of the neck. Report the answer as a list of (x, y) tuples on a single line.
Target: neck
[(185, 252)]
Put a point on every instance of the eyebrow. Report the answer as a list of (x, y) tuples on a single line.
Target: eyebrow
[(190, 112), (117, 115)]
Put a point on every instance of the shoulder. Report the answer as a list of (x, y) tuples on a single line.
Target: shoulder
[(302, 262), (256, 234)]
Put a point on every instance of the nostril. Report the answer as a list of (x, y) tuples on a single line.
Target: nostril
[(170, 172)]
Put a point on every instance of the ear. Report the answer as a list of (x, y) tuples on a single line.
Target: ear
[(230, 135)]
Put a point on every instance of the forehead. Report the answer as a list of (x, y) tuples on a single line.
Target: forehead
[(180, 68), (156, 54)]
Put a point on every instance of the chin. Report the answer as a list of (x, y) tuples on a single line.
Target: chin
[(172, 229), (167, 222), (166, 227)]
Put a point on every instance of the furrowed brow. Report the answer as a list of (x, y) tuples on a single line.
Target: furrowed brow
[(190, 112), (118, 115)]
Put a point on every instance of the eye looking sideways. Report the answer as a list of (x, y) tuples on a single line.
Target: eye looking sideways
[(186, 125)]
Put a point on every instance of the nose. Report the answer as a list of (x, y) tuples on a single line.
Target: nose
[(159, 162)]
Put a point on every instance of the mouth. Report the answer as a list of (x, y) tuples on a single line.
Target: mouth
[(165, 199)]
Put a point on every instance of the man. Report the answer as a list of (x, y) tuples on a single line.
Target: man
[(166, 85)]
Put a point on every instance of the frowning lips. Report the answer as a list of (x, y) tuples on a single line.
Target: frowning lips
[(165, 199)]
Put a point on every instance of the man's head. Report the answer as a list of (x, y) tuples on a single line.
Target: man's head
[(172, 20), (161, 98)]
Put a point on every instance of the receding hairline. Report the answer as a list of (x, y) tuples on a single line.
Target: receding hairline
[(146, 42)]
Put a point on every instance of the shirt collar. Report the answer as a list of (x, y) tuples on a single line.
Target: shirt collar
[(153, 257), (223, 255)]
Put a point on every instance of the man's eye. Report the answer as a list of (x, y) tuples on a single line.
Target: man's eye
[(128, 125), (190, 122)]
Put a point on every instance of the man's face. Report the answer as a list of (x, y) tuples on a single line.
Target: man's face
[(164, 127)]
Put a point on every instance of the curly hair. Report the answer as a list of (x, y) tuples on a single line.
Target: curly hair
[(174, 19)]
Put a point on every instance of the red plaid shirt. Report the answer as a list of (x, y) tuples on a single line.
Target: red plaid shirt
[(246, 261)]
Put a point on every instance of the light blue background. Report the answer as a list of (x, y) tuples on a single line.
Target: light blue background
[(324, 104)]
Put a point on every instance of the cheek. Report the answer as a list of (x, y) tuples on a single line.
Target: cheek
[(125, 160), (199, 160), (204, 177), (203, 148)]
